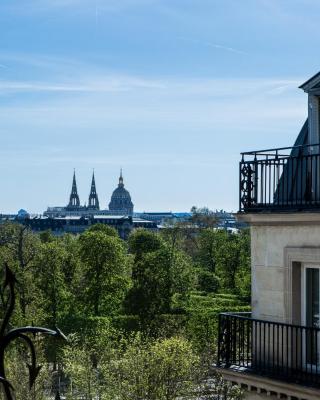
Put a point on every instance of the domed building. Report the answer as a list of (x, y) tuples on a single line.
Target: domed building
[(121, 200)]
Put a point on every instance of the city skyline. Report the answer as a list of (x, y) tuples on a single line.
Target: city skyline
[(171, 91), (93, 189)]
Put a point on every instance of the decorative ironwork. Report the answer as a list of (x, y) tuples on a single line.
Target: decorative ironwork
[(277, 350), (281, 179), (246, 185), (8, 336)]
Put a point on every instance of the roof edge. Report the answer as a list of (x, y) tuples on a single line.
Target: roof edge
[(309, 80)]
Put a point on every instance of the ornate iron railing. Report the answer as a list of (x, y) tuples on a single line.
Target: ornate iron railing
[(281, 179), (8, 336), (272, 349)]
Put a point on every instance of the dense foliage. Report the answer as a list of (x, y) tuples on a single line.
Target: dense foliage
[(141, 315)]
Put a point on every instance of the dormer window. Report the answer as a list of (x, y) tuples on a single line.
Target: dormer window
[(312, 88)]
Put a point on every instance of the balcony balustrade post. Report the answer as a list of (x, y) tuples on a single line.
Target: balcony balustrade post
[(228, 338), (219, 338)]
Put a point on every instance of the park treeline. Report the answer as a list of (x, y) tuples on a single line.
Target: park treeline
[(140, 315)]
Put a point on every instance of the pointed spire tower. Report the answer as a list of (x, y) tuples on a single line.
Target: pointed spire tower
[(121, 184), (74, 201), (93, 203)]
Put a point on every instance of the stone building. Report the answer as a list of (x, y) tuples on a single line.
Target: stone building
[(76, 218), (274, 352), (120, 203), (121, 200), (78, 224)]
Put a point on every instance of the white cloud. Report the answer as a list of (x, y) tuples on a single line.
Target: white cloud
[(214, 45), (57, 74), (107, 84)]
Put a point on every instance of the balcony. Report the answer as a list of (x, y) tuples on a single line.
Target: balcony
[(279, 351), (279, 180)]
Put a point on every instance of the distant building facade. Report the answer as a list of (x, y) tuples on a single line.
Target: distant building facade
[(120, 204), (165, 218), (121, 200), (224, 220), (76, 218), (78, 224)]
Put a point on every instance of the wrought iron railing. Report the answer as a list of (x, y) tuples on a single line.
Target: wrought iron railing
[(281, 179), (272, 349), (9, 336)]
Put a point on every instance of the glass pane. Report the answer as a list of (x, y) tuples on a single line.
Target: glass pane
[(312, 315), (312, 297)]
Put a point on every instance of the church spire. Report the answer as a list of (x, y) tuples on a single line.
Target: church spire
[(74, 200), (93, 202), (121, 184)]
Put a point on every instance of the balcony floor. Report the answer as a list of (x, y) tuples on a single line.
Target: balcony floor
[(254, 384)]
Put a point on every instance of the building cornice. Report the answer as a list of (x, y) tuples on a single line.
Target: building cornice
[(278, 219)]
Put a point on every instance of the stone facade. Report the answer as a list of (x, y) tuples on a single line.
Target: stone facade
[(279, 242), (75, 225), (121, 200)]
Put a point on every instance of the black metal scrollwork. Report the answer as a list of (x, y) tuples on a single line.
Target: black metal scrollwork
[(8, 336), (246, 185)]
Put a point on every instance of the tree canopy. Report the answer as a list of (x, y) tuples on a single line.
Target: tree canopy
[(141, 315)]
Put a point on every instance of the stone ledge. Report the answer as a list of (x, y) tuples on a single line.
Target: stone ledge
[(266, 387), (285, 219)]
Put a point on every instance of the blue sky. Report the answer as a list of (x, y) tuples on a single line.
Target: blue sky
[(171, 90)]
